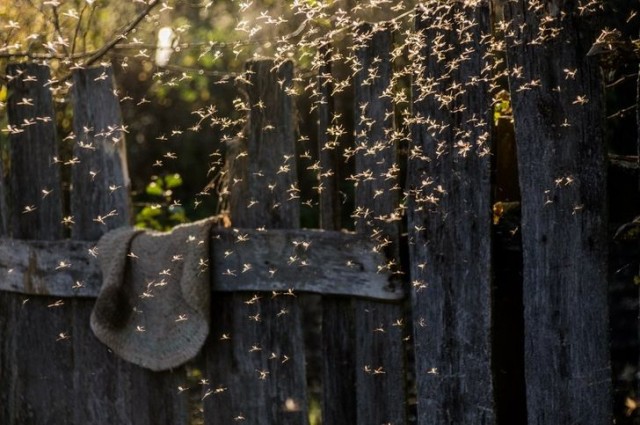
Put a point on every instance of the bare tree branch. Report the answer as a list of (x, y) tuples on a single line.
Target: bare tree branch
[(121, 36), (77, 30)]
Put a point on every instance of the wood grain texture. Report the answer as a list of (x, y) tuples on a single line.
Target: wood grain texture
[(562, 171), (30, 328), (58, 269), (100, 183), (262, 367), (332, 263), (335, 263), (380, 362), (449, 217), (32, 213), (72, 378)]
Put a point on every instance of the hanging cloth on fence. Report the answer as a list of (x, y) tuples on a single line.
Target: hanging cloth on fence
[(153, 307)]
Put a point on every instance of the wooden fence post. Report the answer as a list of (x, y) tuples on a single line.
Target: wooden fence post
[(255, 355), (100, 198), (338, 337), (449, 217), (380, 356), (108, 389), (34, 174), (34, 331), (557, 102)]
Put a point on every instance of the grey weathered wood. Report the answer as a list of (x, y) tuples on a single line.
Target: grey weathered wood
[(100, 180), (108, 389), (449, 217), (380, 365), (33, 150), (562, 171), (278, 395), (338, 337), (266, 146), (337, 263), (58, 269), (338, 356), (29, 327)]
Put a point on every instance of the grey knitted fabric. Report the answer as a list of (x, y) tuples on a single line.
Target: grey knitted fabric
[(153, 307)]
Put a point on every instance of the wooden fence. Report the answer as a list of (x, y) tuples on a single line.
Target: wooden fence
[(381, 364)]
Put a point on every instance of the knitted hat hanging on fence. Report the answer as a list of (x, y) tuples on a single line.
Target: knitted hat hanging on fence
[(153, 307)]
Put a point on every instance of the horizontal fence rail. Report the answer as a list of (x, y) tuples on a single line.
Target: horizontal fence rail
[(333, 263)]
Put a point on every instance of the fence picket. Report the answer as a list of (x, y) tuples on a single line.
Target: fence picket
[(449, 219), (31, 327), (380, 363), (262, 365), (33, 147), (562, 170), (100, 179), (105, 384), (338, 367)]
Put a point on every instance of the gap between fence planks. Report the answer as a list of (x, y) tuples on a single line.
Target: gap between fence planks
[(335, 263)]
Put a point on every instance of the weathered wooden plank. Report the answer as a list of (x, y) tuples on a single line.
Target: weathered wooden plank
[(266, 146), (57, 269), (36, 361), (380, 362), (262, 367), (34, 194), (110, 390), (449, 216), (100, 181), (338, 356), (331, 262), (338, 337), (557, 102), (335, 263), (114, 391), (33, 330)]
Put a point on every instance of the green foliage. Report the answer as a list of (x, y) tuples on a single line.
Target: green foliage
[(163, 213), (502, 106)]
